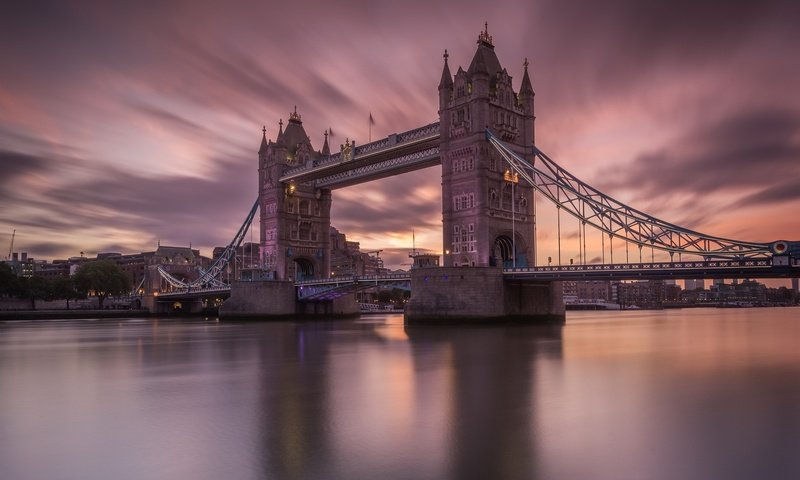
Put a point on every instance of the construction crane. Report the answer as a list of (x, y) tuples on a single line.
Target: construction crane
[(378, 264), (11, 248)]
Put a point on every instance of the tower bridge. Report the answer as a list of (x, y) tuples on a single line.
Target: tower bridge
[(484, 141)]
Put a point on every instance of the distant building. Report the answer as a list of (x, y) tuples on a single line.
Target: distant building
[(424, 260), (647, 294), (694, 284), (348, 260)]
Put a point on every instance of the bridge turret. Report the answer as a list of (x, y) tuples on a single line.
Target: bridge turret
[(295, 216), (486, 214)]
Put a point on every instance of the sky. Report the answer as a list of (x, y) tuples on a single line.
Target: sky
[(125, 124)]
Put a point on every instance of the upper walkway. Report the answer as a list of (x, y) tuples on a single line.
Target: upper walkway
[(398, 153)]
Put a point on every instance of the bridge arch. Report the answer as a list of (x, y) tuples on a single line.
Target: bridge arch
[(303, 268), (503, 252)]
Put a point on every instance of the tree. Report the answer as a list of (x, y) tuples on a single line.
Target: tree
[(8, 281), (101, 278), (63, 288), (34, 288)]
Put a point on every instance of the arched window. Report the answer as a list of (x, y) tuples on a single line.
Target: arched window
[(305, 231), (505, 196), (493, 200)]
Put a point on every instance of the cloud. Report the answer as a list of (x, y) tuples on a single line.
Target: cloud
[(785, 191), (14, 167), (749, 150)]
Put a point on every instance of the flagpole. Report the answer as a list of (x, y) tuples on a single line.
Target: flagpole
[(371, 121)]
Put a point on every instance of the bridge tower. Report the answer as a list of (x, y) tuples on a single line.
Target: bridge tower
[(295, 218), (479, 190)]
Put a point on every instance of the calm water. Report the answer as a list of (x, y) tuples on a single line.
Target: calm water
[(691, 394)]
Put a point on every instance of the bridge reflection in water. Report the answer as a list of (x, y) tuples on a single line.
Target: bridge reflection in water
[(690, 394)]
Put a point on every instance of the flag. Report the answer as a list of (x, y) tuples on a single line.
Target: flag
[(371, 120), (330, 132)]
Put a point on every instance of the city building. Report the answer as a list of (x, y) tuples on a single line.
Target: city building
[(694, 284), (647, 293)]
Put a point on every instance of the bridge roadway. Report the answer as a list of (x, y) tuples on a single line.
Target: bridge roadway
[(328, 288), (398, 153)]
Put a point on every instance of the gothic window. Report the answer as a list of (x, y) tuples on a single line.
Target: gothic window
[(463, 234), (290, 206), (293, 232), (305, 231), (314, 235), (471, 200), (493, 201), (471, 163), (460, 115), (305, 208), (523, 205), (505, 196), (460, 90)]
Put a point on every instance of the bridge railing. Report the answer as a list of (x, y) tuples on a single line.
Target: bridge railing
[(355, 279), (716, 264)]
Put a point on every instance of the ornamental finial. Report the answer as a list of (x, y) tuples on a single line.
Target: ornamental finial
[(525, 64), (484, 35), (446, 55), (294, 116)]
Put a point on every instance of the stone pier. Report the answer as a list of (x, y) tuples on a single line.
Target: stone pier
[(480, 295), (271, 299)]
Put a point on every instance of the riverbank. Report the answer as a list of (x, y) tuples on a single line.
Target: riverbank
[(69, 314)]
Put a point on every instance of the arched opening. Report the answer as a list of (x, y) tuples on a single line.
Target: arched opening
[(304, 269), (503, 253)]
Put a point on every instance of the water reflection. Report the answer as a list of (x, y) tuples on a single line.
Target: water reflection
[(660, 395), (490, 407)]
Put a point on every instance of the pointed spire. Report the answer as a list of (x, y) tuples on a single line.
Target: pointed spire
[(263, 140), (447, 79), (526, 87), (326, 150), (279, 138)]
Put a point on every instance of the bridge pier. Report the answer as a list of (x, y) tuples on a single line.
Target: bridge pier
[(480, 295), (345, 306), (273, 299)]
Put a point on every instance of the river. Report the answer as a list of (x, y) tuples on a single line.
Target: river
[(674, 394)]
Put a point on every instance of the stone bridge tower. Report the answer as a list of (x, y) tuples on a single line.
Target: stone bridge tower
[(295, 218), (487, 214)]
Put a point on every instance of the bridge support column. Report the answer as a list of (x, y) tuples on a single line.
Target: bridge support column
[(345, 306), (265, 299), (480, 294)]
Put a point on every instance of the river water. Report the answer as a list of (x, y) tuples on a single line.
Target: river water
[(676, 394)]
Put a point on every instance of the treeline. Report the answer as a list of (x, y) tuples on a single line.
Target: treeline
[(100, 278)]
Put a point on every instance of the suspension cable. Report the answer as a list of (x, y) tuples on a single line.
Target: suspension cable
[(659, 234)]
